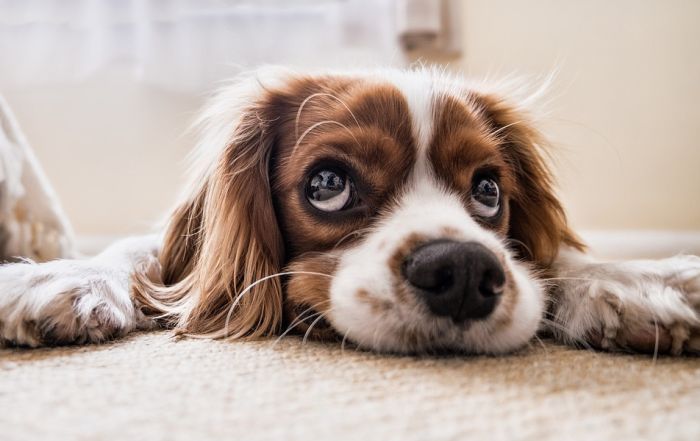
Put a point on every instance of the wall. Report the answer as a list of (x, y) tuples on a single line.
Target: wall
[(113, 149), (623, 116)]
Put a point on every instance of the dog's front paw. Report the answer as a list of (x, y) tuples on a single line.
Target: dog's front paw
[(65, 302), (643, 306)]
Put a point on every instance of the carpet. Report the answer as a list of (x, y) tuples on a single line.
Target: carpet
[(151, 387)]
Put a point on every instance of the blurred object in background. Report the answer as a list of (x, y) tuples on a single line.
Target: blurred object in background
[(189, 45), (32, 222), (429, 28)]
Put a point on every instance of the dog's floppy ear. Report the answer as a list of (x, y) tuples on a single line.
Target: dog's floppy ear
[(223, 240), (538, 222)]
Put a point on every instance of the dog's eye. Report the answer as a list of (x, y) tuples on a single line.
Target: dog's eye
[(329, 190), (486, 197)]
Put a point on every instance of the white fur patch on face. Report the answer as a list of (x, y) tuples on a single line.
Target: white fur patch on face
[(368, 304), (405, 324), (418, 92)]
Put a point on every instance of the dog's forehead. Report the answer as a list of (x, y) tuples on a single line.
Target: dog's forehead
[(395, 132), (417, 109), (419, 93), (452, 135), (394, 121)]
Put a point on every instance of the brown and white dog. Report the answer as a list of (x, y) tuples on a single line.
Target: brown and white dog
[(403, 211)]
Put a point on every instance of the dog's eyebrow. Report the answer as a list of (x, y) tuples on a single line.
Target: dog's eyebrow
[(315, 95), (319, 124)]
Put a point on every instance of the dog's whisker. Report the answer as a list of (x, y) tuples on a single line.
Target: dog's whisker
[(506, 127), (291, 327), (574, 279), (542, 344), (310, 308), (247, 289), (657, 338), (301, 318), (319, 124), (359, 232), (377, 329), (315, 95), (342, 343), (308, 331), (511, 240)]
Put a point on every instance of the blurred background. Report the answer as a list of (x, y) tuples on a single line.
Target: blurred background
[(104, 90)]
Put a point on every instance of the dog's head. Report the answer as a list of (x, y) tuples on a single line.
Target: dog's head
[(400, 210)]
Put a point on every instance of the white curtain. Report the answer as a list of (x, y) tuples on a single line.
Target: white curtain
[(186, 44)]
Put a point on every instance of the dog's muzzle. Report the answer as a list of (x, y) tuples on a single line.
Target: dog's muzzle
[(461, 280)]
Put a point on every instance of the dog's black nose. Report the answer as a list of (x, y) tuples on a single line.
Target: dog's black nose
[(462, 280)]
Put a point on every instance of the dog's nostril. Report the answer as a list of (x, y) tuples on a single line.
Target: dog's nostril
[(462, 280), (492, 282)]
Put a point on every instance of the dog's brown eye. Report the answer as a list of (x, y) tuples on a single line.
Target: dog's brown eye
[(486, 197), (329, 190)]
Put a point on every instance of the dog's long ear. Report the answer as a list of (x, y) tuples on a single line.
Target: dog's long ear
[(223, 240), (538, 222)]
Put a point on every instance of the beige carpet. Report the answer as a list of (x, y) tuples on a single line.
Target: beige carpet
[(151, 387)]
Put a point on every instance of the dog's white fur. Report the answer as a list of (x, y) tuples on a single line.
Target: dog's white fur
[(89, 300), (75, 300), (426, 209)]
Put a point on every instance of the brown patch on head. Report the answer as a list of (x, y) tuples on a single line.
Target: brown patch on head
[(464, 147), (360, 128), (537, 223), (479, 135)]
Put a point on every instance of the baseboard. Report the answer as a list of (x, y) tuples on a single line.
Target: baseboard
[(613, 244), (625, 244)]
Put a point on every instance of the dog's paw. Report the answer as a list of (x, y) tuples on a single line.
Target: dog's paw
[(65, 302), (642, 306)]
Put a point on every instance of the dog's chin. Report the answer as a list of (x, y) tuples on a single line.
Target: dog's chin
[(437, 336)]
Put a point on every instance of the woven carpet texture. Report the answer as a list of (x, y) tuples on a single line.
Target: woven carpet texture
[(152, 387)]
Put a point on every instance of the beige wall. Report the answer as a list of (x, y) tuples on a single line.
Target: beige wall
[(624, 116), (113, 149)]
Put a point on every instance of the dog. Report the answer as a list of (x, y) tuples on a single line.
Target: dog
[(403, 211)]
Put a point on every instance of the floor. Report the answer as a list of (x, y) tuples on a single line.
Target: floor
[(150, 386)]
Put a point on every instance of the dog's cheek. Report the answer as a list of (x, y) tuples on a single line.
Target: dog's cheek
[(307, 296)]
